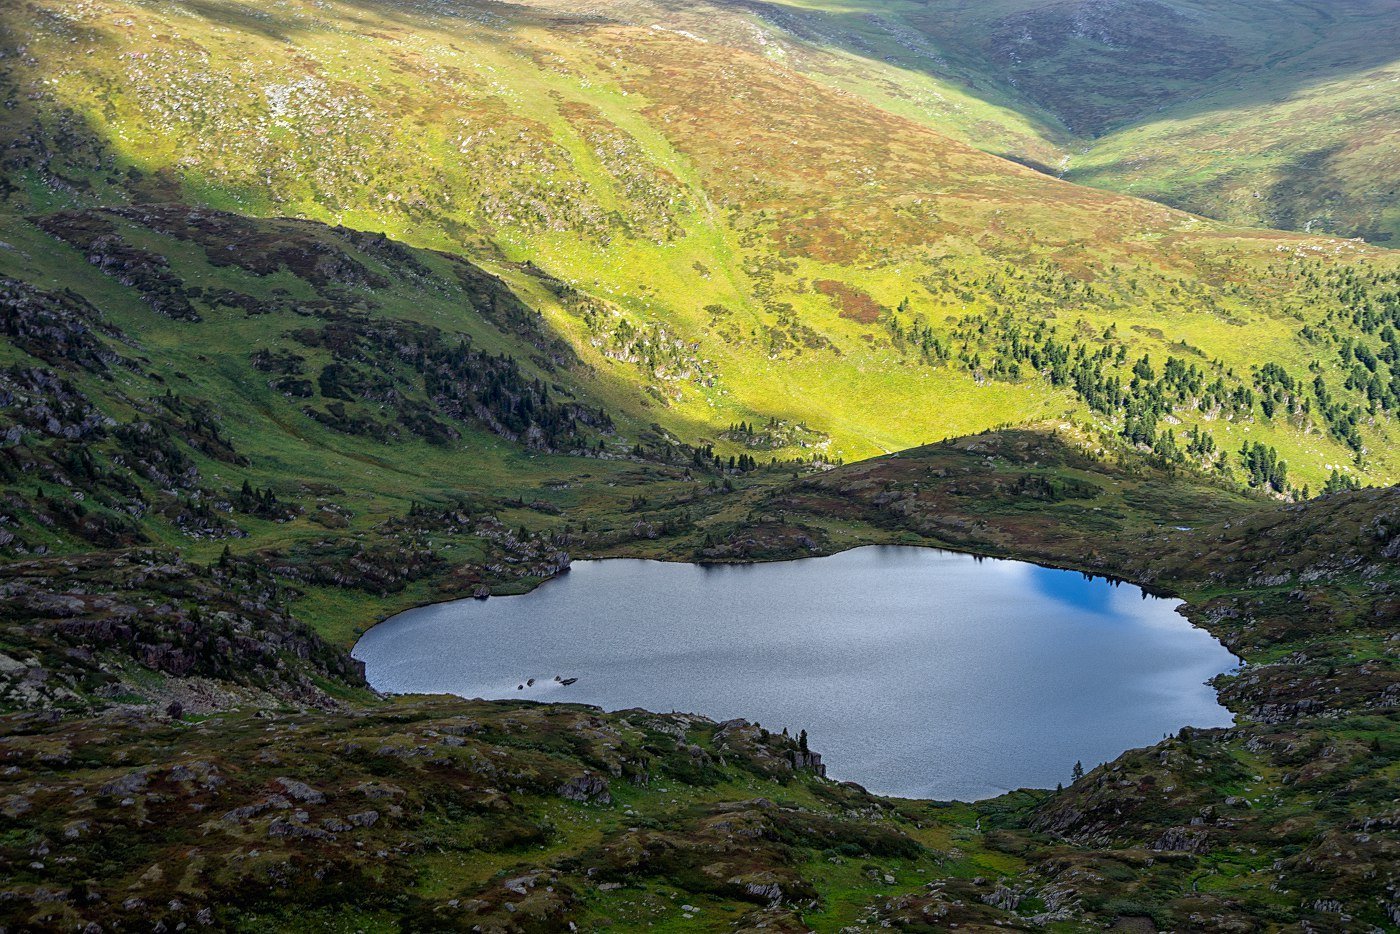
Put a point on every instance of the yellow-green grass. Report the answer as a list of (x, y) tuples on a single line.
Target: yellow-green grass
[(622, 159)]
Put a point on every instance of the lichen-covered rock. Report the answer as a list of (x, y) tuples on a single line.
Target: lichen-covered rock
[(588, 788)]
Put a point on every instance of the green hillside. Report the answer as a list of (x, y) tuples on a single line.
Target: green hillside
[(1321, 157), (182, 377), (743, 242)]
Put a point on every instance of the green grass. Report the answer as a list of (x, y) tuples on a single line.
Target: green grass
[(586, 152), (562, 149)]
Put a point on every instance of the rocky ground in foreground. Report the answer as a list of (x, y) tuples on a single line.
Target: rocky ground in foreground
[(182, 751)]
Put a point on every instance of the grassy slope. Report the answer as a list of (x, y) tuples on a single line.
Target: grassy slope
[(1318, 157), (666, 176), (211, 360), (343, 487), (1273, 115)]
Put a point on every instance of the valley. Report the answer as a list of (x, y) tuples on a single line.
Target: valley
[(312, 313), (629, 830)]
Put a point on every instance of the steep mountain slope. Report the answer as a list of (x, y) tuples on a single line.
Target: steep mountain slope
[(746, 243), (177, 376)]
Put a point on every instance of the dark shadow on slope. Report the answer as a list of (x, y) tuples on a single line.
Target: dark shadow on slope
[(245, 18), (1311, 196), (874, 33), (1029, 163)]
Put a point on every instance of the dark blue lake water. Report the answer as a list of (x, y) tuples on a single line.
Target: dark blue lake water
[(915, 672)]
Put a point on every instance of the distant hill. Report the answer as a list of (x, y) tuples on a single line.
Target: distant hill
[(1274, 114)]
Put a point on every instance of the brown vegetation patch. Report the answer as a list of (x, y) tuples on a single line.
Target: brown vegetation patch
[(851, 302)]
